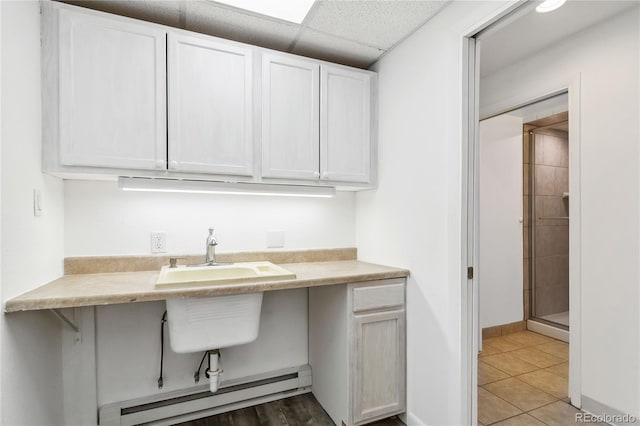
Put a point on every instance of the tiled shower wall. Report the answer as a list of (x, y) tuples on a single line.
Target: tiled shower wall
[(551, 235)]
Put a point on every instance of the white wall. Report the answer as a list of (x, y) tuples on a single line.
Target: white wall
[(500, 221), (607, 58), (101, 220), (32, 248), (413, 219)]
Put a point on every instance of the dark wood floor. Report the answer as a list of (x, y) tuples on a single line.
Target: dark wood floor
[(297, 410)]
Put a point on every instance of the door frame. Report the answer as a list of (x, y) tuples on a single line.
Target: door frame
[(469, 130), (471, 48)]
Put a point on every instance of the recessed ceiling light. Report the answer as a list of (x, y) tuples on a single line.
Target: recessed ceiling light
[(287, 10), (549, 5)]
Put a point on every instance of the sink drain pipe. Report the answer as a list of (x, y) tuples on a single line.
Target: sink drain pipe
[(214, 372)]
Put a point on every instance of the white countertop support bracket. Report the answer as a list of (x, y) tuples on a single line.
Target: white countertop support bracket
[(67, 321)]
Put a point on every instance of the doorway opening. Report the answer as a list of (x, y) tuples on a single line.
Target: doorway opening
[(523, 263)]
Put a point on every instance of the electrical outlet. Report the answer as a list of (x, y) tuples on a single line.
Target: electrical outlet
[(158, 242)]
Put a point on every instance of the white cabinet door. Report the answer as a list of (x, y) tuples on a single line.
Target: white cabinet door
[(378, 359), (112, 89), (290, 117), (210, 106), (345, 125)]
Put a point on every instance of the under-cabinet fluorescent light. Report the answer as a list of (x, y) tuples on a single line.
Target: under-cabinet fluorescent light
[(287, 10), (232, 188), (549, 5)]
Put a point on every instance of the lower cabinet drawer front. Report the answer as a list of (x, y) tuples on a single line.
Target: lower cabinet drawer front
[(379, 296)]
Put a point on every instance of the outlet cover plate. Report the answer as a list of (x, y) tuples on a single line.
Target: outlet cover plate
[(275, 238), (158, 242)]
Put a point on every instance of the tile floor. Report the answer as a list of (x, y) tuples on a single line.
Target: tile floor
[(523, 381)]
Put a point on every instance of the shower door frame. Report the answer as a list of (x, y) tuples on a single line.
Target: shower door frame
[(532, 238)]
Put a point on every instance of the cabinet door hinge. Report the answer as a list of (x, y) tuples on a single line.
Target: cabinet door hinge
[(470, 272)]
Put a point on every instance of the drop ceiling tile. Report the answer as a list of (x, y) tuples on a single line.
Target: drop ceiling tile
[(334, 49), (375, 23), (165, 12), (220, 21)]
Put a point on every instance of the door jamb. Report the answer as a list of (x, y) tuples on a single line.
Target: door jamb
[(469, 79)]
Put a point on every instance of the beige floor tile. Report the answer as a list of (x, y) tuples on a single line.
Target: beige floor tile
[(556, 414), (547, 382), (555, 348), (488, 349), (538, 358), (492, 409), (528, 338), (521, 420), (503, 344), (520, 394), (561, 370), (509, 363), (488, 374)]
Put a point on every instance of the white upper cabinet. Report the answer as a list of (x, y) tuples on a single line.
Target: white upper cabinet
[(210, 106), (316, 121), (133, 98), (112, 85), (345, 125), (290, 117)]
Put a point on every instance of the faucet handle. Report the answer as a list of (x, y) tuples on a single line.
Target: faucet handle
[(173, 261)]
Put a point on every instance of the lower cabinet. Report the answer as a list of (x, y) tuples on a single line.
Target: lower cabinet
[(357, 350)]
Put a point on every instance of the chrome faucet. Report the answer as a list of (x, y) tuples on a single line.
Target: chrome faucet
[(211, 248)]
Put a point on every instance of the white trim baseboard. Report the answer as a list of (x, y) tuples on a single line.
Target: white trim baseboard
[(607, 414)]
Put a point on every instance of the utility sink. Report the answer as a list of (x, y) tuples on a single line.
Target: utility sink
[(200, 324), (182, 276)]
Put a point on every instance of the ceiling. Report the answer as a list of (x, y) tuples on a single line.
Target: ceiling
[(350, 32), (532, 32)]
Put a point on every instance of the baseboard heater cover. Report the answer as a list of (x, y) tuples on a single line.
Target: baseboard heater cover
[(190, 404)]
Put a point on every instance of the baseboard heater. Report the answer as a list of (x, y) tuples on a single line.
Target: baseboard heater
[(197, 402)]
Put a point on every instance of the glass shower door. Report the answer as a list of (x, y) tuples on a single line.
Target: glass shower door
[(549, 231)]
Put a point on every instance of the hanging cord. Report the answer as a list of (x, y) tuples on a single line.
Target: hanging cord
[(196, 375), (162, 321)]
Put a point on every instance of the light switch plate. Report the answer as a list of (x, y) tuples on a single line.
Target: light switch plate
[(37, 202), (275, 238)]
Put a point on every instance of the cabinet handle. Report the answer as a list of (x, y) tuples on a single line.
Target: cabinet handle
[(325, 175), (316, 174), (161, 164), (173, 165)]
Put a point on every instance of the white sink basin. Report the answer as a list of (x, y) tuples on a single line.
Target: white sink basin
[(182, 276), (200, 324)]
